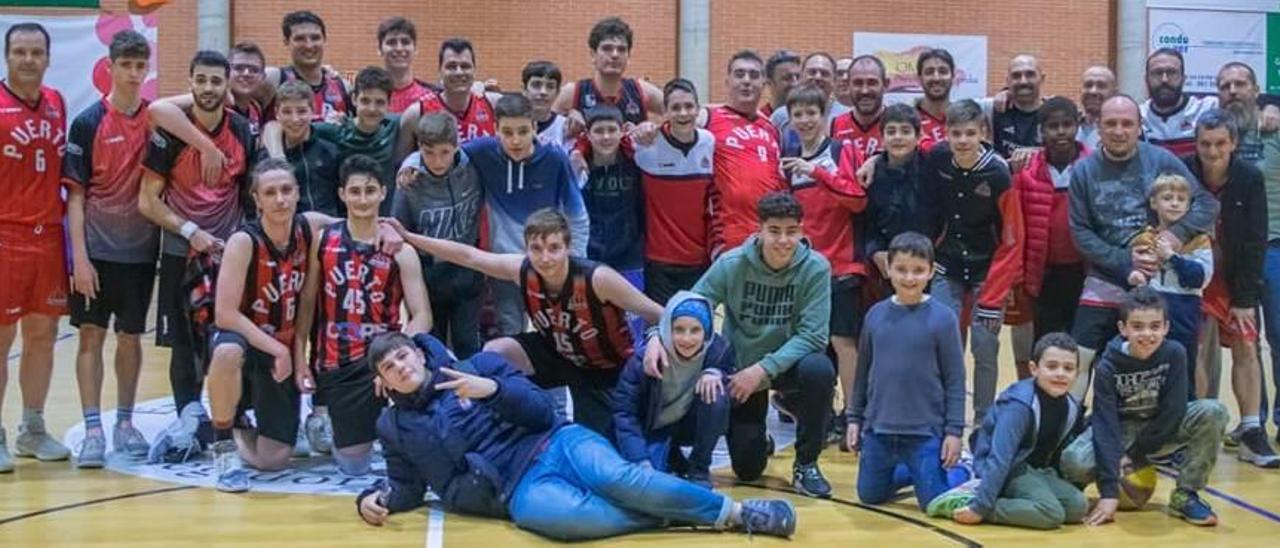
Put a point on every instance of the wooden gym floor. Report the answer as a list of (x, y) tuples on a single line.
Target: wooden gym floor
[(52, 504)]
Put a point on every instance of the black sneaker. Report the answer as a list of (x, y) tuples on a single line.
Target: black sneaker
[(775, 517), (808, 480), (1255, 449)]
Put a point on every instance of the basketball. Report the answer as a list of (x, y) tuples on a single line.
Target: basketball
[(1136, 488)]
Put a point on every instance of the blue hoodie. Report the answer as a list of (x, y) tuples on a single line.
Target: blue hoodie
[(514, 190), (1008, 437), (470, 454)]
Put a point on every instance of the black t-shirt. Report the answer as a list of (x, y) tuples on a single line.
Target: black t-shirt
[(1015, 128), (1053, 416)]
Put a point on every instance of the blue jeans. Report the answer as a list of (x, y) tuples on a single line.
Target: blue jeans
[(1271, 324), (882, 453), (580, 488), (983, 343)]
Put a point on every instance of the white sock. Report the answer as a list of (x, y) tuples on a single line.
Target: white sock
[(1249, 423)]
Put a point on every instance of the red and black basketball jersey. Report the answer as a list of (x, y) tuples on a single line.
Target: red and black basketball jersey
[(933, 129), (256, 114), (404, 97), (274, 280), (33, 139), (630, 102), (868, 140), (588, 332), (360, 296), (330, 95), (474, 122)]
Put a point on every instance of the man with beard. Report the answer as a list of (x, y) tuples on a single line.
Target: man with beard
[(611, 41), (782, 71), (937, 72), (1108, 206), (862, 125), (33, 279), (746, 154), (196, 216), (1096, 85), (842, 93), (398, 45), (819, 68)]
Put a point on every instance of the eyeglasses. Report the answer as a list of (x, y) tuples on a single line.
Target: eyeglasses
[(246, 69)]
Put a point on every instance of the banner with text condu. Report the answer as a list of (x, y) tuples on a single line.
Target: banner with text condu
[(78, 67), (1210, 38), (899, 53)]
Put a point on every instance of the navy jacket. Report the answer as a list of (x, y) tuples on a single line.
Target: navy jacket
[(1008, 437), (637, 401), (1242, 237), (470, 455)]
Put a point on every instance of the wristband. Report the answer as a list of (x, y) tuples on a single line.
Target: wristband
[(188, 229)]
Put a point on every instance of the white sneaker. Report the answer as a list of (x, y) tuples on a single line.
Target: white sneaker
[(320, 433), (232, 476), (93, 451), (127, 440), (34, 442)]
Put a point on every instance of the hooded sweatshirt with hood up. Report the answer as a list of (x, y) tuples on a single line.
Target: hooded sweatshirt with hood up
[(645, 408), (773, 317), (515, 189)]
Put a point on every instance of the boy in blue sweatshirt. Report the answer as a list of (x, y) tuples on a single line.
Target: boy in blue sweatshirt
[(1019, 446), (1140, 411), (613, 197), (520, 176), (688, 405), (908, 397), (487, 442)]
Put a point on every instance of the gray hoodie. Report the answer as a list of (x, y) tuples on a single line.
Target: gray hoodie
[(447, 208)]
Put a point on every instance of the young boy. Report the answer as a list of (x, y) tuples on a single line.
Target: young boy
[(1182, 276), (113, 246), (315, 161), (820, 172), (507, 456), (1140, 411), (908, 400), (372, 132), (398, 46), (612, 195), (894, 197), (776, 291), (1019, 447), (521, 176), (577, 307), (676, 171), (976, 221), (541, 81), (352, 292), (688, 406), (441, 197)]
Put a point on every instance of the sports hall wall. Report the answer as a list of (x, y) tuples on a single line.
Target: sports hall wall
[(1067, 35)]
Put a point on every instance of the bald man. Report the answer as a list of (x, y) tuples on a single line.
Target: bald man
[(843, 94), (1015, 130), (1097, 84), (1108, 205)]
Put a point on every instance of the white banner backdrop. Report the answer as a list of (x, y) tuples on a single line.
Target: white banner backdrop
[(78, 67), (1208, 39), (899, 53)]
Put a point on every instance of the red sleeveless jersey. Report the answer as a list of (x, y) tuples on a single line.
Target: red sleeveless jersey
[(360, 296), (867, 140), (478, 120), (588, 332), (630, 101), (274, 280), (330, 95), (33, 138), (404, 97)]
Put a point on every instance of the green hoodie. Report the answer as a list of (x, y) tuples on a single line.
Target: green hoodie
[(774, 317)]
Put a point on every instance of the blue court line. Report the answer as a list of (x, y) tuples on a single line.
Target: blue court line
[(1234, 500)]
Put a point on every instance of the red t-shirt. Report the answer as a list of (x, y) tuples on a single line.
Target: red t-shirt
[(32, 141), (746, 168), (868, 140)]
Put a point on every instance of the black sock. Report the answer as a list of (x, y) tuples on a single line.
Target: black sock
[(222, 434)]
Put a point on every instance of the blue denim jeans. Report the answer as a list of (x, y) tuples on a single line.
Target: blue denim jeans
[(882, 453), (580, 488), (983, 343), (1271, 324)]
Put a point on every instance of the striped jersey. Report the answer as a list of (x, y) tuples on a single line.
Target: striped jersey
[(360, 296), (274, 279), (589, 333)]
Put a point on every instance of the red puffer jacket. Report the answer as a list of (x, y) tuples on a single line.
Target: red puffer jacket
[(1035, 187)]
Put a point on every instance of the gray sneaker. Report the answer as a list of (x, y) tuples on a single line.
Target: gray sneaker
[(232, 476), (320, 433), (1255, 450), (6, 461), (127, 440), (34, 442), (93, 451)]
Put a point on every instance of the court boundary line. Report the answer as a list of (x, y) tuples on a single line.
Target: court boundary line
[(92, 502), (435, 528), (948, 534)]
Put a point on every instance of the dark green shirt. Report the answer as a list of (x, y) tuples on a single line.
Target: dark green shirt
[(379, 145)]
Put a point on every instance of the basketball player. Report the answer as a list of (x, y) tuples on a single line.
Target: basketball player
[(305, 36), (473, 110), (33, 280), (359, 290), (577, 307), (862, 126), (113, 246), (398, 45), (937, 72), (611, 42)]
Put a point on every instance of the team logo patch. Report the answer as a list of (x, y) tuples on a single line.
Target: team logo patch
[(983, 189)]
